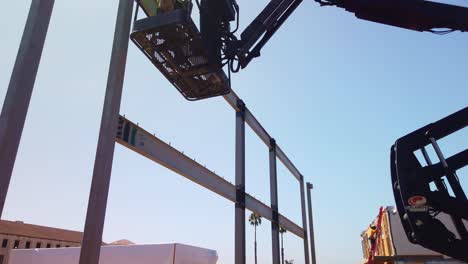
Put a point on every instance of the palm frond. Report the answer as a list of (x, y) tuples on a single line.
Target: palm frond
[(282, 230), (255, 219)]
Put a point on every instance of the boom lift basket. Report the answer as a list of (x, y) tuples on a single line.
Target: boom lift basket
[(172, 42), (421, 188)]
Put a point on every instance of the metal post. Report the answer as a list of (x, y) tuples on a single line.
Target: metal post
[(311, 223), (240, 256), (451, 175), (20, 89), (274, 204), (304, 222), (92, 239), (454, 184)]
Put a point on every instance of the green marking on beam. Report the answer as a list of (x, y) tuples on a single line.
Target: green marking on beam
[(133, 136)]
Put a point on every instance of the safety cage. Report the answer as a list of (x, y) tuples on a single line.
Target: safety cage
[(433, 215), (172, 42)]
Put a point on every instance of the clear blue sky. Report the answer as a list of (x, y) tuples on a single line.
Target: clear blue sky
[(334, 91)]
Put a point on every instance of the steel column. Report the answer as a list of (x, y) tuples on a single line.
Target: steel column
[(250, 119), (451, 175), (20, 89), (311, 223), (240, 256), (274, 204), (92, 239), (304, 222)]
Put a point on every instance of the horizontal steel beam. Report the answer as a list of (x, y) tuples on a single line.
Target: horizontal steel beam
[(137, 139), (287, 162), (250, 119)]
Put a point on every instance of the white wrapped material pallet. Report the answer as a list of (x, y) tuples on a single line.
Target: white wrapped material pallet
[(132, 254)]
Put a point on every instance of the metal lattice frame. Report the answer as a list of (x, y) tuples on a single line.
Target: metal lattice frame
[(14, 114)]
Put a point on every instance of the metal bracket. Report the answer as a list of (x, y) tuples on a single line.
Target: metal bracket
[(240, 196), (272, 144), (120, 127), (242, 107), (275, 214)]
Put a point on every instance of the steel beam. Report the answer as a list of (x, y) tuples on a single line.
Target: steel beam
[(311, 224), (274, 205), (250, 119), (137, 139), (97, 203), (240, 255), (285, 160), (304, 222), (23, 77)]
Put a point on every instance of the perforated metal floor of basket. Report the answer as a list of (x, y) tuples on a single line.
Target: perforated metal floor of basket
[(173, 44)]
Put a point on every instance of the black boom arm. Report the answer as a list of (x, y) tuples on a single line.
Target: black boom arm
[(260, 31), (419, 15)]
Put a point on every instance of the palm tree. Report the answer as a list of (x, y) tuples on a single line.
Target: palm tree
[(255, 220), (282, 230)]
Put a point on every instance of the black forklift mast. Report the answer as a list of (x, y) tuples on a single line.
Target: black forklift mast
[(422, 188)]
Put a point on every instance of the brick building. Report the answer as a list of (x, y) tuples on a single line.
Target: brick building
[(16, 234)]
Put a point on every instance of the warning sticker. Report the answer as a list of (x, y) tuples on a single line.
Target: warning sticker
[(417, 204)]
